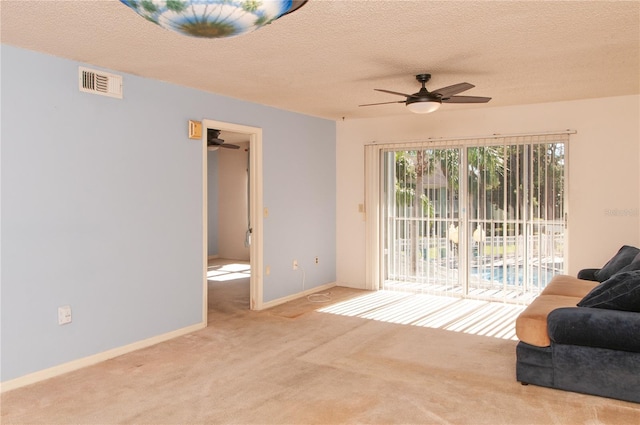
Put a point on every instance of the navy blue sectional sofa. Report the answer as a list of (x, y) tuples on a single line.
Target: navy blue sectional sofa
[(582, 333)]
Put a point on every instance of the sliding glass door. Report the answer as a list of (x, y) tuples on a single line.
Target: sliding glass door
[(421, 211), (482, 218)]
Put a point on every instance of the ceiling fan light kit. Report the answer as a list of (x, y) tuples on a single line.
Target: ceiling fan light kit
[(212, 18), (423, 107), (424, 101)]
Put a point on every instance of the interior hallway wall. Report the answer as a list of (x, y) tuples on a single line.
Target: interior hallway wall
[(212, 202), (233, 203)]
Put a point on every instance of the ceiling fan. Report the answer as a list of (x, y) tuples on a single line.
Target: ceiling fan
[(425, 101), (214, 141)]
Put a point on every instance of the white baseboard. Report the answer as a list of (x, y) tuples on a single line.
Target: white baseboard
[(288, 298), (54, 371), (354, 286)]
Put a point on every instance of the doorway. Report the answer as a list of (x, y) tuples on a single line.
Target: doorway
[(254, 232), (229, 232)]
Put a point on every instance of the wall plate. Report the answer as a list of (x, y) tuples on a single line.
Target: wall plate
[(195, 129)]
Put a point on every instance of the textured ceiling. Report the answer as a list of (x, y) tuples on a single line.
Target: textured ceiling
[(326, 58)]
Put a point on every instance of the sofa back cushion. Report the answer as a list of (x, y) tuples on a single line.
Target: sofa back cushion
[(620, 292), (635, 265), (623, 258)]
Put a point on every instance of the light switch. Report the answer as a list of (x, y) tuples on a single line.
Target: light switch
[(64, 315)]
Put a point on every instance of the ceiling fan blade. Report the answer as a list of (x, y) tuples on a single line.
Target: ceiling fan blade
[(382, 103), (454, 89), (211, 140), (395, 92), (228, 146), (466, 99)]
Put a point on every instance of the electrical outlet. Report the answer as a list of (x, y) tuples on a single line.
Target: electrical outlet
[(295, 265), (317, 261), (64, 315)]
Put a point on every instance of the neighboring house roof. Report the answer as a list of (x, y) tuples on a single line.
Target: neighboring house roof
[(435, 179)]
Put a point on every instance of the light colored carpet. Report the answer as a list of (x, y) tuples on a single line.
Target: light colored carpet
[(295, 365)]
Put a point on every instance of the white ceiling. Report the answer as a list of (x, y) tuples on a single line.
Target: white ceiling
[(326, 58)]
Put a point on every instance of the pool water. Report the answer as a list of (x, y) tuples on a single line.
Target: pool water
[(514, 275)]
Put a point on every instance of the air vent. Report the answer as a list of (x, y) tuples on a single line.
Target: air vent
[(102, 83)]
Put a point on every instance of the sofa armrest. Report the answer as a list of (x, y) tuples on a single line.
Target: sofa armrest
[(588, 274), (595, 327)]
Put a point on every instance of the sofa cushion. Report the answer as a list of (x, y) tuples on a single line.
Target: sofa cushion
[(620, 292), (569, 286), (595, 327), (623, 258), (635, 265), (588, 274), (531, 324)]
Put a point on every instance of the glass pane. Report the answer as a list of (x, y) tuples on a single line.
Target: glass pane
[(516, 213), (421, 220)]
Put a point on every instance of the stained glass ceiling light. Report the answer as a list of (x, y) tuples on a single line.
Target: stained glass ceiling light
[(213, 18)]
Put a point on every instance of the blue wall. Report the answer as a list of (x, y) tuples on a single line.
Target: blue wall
[(102, 205)]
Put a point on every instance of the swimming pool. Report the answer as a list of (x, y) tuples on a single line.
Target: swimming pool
[(514, 275)]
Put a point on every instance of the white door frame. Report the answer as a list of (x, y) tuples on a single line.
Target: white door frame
[(255, 210)]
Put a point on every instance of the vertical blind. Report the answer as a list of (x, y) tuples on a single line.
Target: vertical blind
[(478, 218)]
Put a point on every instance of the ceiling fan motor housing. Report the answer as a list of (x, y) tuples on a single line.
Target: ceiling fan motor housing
[(423, 96), (213, 137)]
